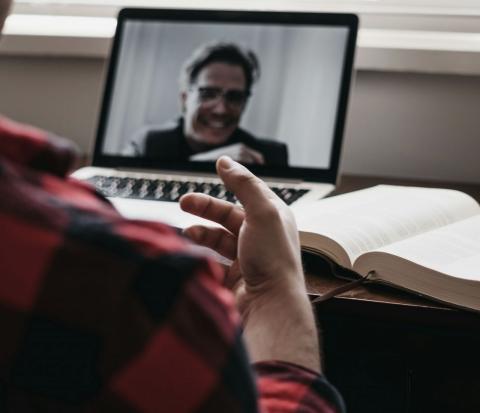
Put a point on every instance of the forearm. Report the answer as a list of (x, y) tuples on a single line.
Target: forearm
[(283, 328)]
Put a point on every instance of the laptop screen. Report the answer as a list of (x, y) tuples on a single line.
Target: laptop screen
[(268, 89)]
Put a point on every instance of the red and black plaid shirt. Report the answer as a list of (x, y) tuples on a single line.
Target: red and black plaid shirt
[(99, 313)]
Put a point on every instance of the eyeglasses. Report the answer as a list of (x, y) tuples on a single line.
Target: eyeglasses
[(234, 98)]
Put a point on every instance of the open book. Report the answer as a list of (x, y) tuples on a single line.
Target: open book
[(425, 240)]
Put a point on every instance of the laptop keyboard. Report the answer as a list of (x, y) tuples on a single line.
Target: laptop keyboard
[(171, 191)]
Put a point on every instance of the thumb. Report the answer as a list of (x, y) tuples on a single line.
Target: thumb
[(251, 191)]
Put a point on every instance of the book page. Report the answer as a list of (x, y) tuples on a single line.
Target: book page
[(453, 250), (369, 219)]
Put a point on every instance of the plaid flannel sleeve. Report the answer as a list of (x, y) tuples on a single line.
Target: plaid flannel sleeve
[(288, 388), (99, 313)]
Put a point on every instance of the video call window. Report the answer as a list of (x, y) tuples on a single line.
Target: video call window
[(263, 94)]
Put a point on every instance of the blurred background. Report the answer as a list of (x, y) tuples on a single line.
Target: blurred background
[(415, 104)]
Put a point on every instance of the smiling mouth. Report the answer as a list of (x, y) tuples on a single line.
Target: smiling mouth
[(218, 124)]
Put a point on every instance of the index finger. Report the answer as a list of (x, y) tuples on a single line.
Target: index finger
[(222, 212), (249, 189)]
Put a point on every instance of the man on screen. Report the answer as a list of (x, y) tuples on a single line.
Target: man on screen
[(216, 84)]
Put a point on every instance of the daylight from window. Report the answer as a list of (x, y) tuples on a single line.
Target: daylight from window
[(467, 7)]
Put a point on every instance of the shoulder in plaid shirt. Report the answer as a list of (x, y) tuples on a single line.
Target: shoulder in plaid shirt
[(99, 313)]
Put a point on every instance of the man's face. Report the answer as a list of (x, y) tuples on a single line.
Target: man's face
[(4, 8), (213, 105)]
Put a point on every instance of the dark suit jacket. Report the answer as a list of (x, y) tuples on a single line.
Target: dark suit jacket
[(171, 145)]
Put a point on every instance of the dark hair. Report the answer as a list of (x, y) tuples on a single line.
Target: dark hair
[(224, 53)]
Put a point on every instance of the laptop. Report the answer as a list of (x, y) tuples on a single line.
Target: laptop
[(269, 89)]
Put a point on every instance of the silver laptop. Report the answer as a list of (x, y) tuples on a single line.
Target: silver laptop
[(269, 89)]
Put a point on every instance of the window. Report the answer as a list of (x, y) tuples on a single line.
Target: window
[(418, 35), (433, 15)]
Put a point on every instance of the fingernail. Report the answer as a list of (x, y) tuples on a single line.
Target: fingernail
[(225, 162)]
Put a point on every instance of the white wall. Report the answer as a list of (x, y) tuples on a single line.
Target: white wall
[(414, 125), (60, 95), (400, 124)]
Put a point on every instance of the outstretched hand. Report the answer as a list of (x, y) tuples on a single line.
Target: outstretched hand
[(261, 238), (266, 275)]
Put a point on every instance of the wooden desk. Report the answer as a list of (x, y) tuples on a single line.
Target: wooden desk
[(388, 351)]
